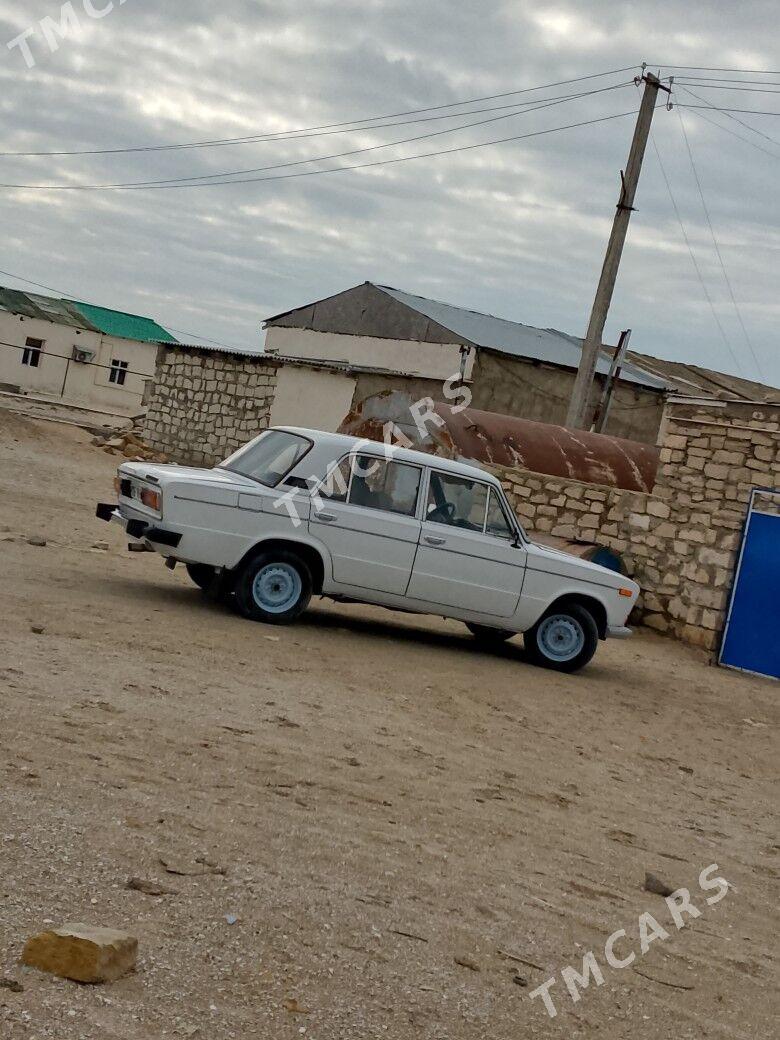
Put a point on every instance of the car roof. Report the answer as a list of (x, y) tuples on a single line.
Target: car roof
[(341, 443)]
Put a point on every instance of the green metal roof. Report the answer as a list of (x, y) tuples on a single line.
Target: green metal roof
[(83, 316), (128, 326)]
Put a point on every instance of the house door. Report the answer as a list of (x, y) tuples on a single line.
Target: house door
[(750, 641)]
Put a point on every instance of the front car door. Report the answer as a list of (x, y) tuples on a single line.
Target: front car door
[(469, 556), (366, 517)]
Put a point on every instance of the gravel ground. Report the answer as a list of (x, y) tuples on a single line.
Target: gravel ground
[(376, 829)]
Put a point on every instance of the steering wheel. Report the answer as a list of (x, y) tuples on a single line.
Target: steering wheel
[(445, 512)]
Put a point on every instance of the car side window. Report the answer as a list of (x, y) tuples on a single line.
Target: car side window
[(456, 501), (497, 522), (373, 484), (390, 486), (335, 486)]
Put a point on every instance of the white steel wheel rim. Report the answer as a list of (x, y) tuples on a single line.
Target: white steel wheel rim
[(277, 587), (561, 637)]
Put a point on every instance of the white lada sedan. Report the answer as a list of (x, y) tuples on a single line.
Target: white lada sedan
[(297, 513)]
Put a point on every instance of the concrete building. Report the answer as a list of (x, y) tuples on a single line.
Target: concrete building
[(381, 338), (372, 339), (78, 353)]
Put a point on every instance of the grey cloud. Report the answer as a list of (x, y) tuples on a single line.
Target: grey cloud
[(517, 229)]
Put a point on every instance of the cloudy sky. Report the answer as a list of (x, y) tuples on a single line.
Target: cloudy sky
[(516, 229)]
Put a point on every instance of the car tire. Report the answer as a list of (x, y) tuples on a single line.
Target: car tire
[(564, 639), (202, 574), (487, 636), (273, 587), (213, 584)]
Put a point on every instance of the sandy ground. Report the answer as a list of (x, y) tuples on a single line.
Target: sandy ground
[(378, 800)]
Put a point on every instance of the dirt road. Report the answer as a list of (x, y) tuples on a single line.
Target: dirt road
[(411, 834)]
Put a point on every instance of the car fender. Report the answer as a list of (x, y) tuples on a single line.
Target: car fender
[(535, 602), (308, 547)]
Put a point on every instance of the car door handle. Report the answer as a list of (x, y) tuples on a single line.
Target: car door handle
[(433, 540), (327, 517)]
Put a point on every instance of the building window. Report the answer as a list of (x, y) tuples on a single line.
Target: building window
[(118, 372), (31, 355)]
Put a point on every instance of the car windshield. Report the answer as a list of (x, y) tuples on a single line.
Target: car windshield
[(269, 458)]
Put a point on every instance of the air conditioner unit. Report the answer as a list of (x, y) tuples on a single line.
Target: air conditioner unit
[(84, 356)]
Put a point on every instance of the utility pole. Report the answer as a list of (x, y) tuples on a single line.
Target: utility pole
[(578, 406), (610, 383)]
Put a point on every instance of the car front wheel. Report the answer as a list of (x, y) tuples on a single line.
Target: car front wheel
[(564, 639), (274, 587)]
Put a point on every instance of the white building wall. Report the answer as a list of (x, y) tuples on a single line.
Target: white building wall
[(58, 376), (311, 397), (407, 357)]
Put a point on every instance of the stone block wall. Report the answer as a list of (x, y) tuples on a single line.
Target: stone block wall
[(206, 403), (680, 542)]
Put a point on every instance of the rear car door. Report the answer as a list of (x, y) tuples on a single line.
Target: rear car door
[(367, 522), (469, 557)]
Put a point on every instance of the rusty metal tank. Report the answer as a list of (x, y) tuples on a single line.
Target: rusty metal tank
[(505, 440)]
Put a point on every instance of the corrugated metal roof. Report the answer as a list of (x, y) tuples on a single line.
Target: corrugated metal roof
[(216, 348), (126, 326), (510, 337), (83, 316), (45, 308), (692, 380)]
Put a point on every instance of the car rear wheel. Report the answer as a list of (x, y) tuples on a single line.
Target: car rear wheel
[(274, 587), (202, 574), (215, 585), (565, 639), (489, 636)]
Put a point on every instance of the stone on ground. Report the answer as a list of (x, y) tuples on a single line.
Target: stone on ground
[(657, 886), (82, 953)]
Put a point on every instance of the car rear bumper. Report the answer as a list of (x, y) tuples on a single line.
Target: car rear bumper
[(619, 632), (140, 529)]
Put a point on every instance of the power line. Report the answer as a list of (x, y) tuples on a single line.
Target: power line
[(694, 261), (301, 136), (334, 169), (314, 131), (543, 103), (743, 111), (748, 90), (741, 122), (704, 68), (713, 79), (726, 130), (69, 357), (737, 311)]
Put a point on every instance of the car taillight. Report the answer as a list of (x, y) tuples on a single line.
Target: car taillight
[(152, 499)]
